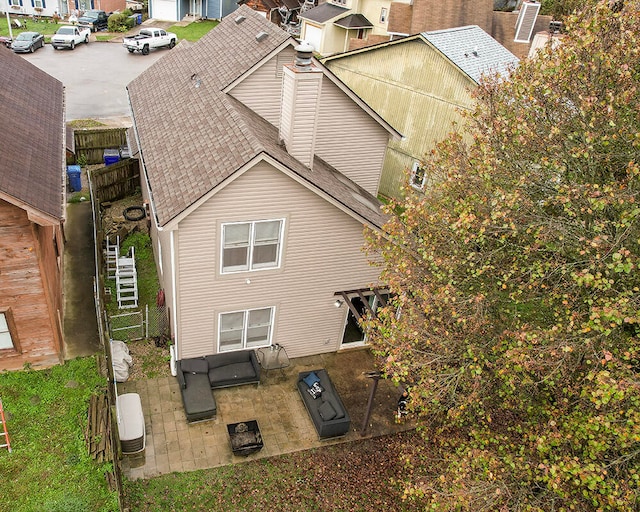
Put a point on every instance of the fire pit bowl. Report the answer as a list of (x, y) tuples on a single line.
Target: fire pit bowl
[(245, 437)]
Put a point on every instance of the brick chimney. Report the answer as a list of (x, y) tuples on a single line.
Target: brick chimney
[(301, 86)]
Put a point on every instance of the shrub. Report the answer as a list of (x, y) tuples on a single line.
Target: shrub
[(120, 22)]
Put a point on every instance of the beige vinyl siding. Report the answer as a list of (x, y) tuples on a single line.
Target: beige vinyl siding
[(300, 100), (349, 139), (417, 90), (261, 91), (321, 255)]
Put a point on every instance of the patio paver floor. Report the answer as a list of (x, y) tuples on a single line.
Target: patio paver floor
[(173, 445)]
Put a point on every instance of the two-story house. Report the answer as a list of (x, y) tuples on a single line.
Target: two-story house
[(32, 198), (341, 25), (420, 84), (260, 169)]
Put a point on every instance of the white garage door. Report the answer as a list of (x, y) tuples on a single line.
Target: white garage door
[(164, 10), (313, 36)]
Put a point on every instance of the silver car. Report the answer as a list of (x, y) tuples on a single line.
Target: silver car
[(27, 42)]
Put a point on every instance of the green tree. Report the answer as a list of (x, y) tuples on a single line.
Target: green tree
[(517, 287)]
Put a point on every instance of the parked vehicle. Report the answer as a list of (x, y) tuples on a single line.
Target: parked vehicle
[(69, 36), (6, 41), (149, 38), (94, 19), (27, 42)]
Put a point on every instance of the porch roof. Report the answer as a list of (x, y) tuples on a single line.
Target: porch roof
[(353, 22)]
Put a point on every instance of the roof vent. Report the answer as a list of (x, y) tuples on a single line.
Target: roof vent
[(261, 36), (239, 19), (304, 51)]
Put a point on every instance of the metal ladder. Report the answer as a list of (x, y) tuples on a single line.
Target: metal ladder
[(127, 281), (5, 433), (111, 253)]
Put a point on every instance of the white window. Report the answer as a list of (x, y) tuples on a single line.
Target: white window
[(15, 3), (251, 245), (418, 176), (245, 329), (38, 4), (383, 15), (7, 339)]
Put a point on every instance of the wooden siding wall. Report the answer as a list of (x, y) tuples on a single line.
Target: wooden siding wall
[(23, 289), (51, 257), (262, 90), (116, 181), (415, 89), (349, 139), (321, 255), (91, 142)]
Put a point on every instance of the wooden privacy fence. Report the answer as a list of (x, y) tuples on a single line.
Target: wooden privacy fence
[(116, 181), (90, 143)]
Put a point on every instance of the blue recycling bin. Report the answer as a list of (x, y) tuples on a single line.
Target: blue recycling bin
[(111, 156), (75, 183), (139, 18)]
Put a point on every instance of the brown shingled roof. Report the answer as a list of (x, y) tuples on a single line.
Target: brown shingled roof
[(32, 159), (193, 136)]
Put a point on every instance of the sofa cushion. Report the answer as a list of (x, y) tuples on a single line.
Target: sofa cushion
[(199, 365), (226, 358), (311, 379), (197, 397), (327, 412), (231, 372), (330, 399)]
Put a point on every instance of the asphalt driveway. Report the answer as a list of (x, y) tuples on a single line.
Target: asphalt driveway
[(95, 76)]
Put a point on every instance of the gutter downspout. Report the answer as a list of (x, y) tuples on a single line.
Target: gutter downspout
[(174, 314)]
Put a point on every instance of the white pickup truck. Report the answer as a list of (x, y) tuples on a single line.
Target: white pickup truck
[(69, 36), (149, 38)]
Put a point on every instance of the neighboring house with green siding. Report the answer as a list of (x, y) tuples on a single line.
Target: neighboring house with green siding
[(419, 84)]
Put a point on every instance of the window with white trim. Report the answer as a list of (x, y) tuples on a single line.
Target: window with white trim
[(14, 3), (383, 15), (418, 176), (239, 330), (38, 4), (8, 336), (251, 245)]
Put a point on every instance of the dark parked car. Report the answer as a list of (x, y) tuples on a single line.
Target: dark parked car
[(94, 19), (27, 42)]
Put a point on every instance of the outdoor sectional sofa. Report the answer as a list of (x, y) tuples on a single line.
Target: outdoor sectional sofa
[(199, 375), (326, 410)]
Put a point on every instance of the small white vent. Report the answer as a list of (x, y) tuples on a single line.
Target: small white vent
[(526, 21), (261, 36), (239, 19)]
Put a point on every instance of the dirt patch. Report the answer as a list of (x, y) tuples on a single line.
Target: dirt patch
[(149, 360), (113, 219)]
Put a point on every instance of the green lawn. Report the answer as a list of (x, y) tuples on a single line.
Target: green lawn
[(49, 467), (193, 31), (44, 27)]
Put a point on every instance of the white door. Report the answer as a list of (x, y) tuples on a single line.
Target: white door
[(164, 10)]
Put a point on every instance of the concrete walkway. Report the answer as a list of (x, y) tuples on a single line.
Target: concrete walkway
[(80, 324), (172, 444)]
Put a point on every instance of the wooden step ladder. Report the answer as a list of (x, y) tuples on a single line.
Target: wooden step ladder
[(5, 433), (127, 281)]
